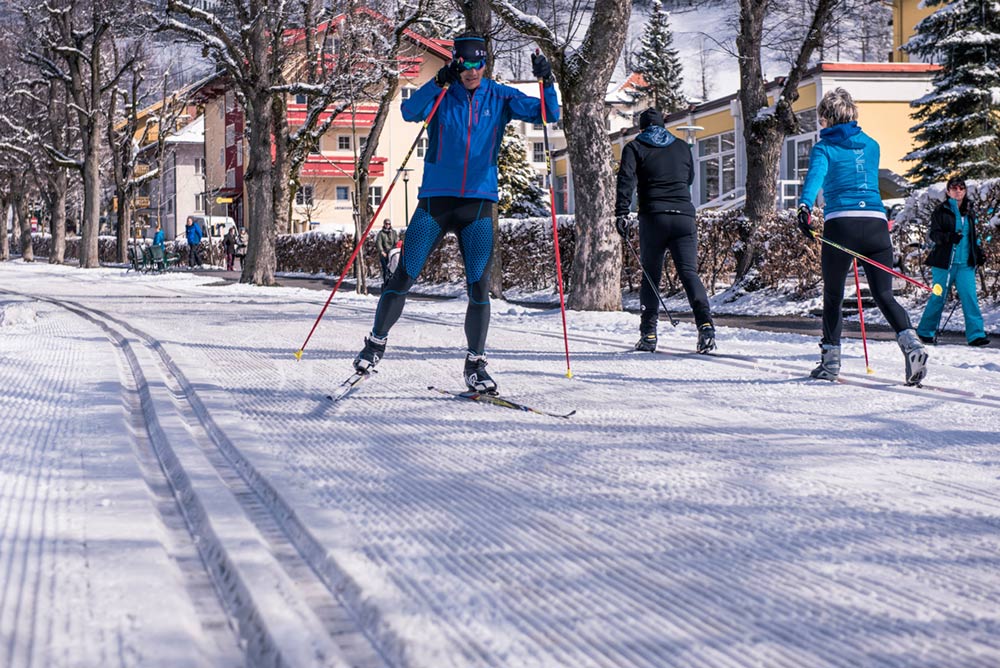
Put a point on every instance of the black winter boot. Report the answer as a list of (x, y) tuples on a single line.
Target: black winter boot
[(706, 338), (476, 376), (647, 342), (370, 355)]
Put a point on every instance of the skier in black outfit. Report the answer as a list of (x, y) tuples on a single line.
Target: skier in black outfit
[(663, 166)]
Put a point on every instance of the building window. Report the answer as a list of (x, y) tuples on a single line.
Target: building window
[(300, 98), (537, 127), (422, 147), (405, 92), (199, 202), (304, 196), (374, 196), (538, 151), (796, 159), (343, 143), (343, 193), (717, 166), (199, 166)]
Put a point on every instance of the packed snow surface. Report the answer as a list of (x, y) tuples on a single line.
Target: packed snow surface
[(697, 510)]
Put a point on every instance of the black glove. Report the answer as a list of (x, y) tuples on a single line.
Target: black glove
[(955, 238), (621, 224), (541, 69), (805, 221), (448, 74)]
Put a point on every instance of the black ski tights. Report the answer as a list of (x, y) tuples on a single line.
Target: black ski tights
[(659, 232), (869, 237)]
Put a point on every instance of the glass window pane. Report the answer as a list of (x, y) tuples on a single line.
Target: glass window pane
[(729, 173), (728, 141), (708, 146), (709, 172)]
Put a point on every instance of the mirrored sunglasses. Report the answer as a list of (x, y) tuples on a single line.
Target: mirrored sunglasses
[(473, 64)]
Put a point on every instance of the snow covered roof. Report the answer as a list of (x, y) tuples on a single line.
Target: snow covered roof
[(192, 133), (621, 93)]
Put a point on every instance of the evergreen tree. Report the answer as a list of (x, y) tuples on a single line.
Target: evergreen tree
[(958, 126), (519, 193), (658, 63)]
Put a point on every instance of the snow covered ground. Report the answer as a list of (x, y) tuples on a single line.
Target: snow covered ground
[(176, 490)]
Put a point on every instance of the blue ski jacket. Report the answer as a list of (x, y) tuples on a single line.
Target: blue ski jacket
[(844, 162), (193, 234), (463, 138)]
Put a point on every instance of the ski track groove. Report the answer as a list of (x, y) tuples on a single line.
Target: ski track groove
[(708, 596)]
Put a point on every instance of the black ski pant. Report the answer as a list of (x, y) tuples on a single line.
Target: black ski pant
[(676, 232), (869, 237), (472, 222)]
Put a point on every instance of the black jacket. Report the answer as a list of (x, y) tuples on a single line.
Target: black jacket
[(942, 227), (664, 168)]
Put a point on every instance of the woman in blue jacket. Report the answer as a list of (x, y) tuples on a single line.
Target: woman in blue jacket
[(458, 191), (953, 261), (844, 162)]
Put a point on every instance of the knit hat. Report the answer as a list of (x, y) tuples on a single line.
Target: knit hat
[(650, 117)]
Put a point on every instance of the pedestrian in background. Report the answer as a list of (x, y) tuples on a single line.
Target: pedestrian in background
[(193, 233), (385, 241), (229, 245), (953, 260), (157, 235)]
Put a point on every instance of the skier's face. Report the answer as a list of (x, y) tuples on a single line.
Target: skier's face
[(472, 78)]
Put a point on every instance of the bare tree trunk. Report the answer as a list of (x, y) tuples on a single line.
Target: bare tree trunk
[(91, 204), (5, 211), (57, 218), (260, 260), (582, 70), (595, 280), (282, 192), (764, 133), (24, 225), (124, 224)]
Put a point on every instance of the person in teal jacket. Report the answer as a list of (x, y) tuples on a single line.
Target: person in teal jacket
[(953, 261), (158, 236), (844, 163), (458, 190)]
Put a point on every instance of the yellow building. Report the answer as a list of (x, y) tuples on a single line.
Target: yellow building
[(906, 14), (883, 92)]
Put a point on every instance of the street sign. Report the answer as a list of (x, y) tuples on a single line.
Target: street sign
[(223, 200), (141, 169), (141, 202)]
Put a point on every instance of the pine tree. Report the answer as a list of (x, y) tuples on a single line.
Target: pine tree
[(958, 126), (519, 193), (659, 63)]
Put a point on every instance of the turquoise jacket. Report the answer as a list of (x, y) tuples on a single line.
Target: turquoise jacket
[(844, 162), (463, 137)]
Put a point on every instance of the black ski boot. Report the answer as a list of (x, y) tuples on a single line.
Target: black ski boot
[(706, 338), (646, 342), (829, 363), (370, 355), (476, 376)]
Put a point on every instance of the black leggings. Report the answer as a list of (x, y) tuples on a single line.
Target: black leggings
[(870, 237), (472, 222), (659, 232)]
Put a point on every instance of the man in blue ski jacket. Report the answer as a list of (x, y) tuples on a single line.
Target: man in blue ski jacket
[(458, 191), (193, 234), (844, 163)]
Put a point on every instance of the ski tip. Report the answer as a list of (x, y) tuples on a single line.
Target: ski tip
[(298, 354)]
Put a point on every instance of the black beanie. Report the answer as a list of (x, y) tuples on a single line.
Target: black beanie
[(650, 117), (470, 48)]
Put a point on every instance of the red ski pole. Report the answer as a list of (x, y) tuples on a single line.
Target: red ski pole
[(937, 289), (555, 227), (364, 235), (861, 315)]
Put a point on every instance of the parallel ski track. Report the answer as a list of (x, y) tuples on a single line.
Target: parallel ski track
[(303, 558), (823, 643)]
